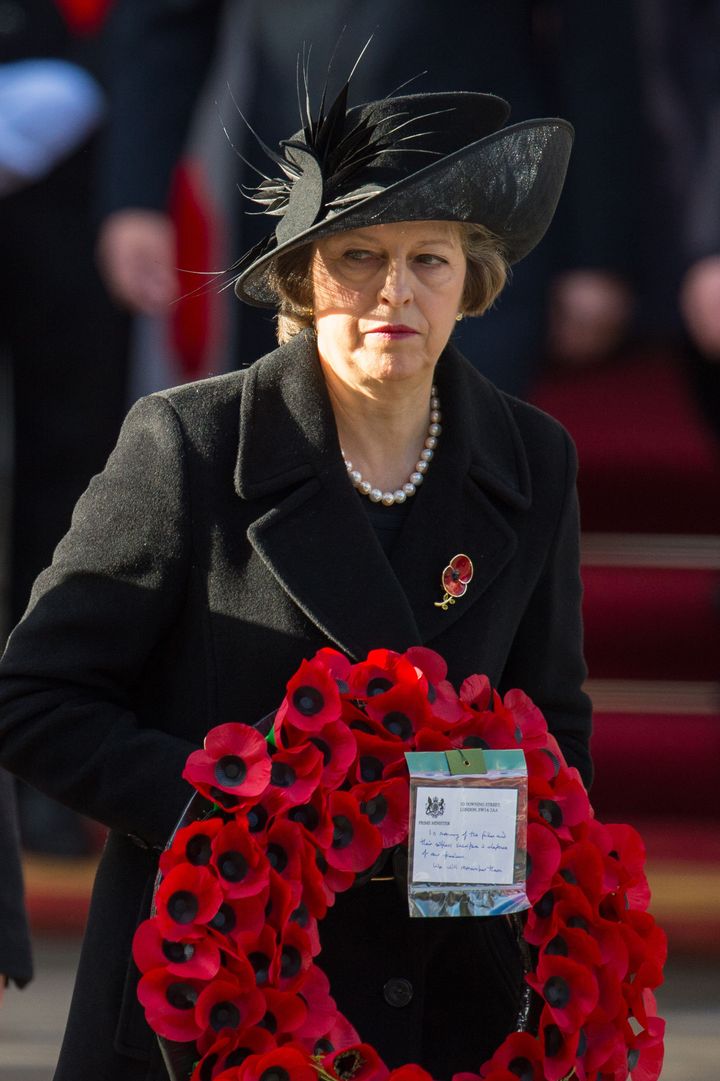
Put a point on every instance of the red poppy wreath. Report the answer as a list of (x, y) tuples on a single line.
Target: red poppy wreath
[(285, 821)]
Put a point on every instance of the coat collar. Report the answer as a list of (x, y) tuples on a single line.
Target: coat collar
[(316, 538)]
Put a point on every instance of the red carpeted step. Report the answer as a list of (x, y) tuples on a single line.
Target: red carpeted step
[(660, 765), (648, 460), (652, 622)]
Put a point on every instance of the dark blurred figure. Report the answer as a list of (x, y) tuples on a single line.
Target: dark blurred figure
[(15, 957), (546, 56), (66, 342), (681, 54)]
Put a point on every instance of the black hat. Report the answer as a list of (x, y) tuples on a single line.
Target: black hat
[(419, 157)]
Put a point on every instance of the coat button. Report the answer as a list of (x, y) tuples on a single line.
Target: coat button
[(398, 991)]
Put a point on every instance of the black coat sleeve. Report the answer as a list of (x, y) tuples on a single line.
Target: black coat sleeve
[(547, 659), (158, 56), (111, 595), (15, 957)]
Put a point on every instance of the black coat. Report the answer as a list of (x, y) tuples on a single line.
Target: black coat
[(222, 544), (15, 956)]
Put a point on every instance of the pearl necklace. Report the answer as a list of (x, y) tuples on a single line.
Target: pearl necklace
[(421, 466)]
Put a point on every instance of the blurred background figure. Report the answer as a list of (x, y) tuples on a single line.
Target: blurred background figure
[(546, 56), (680, 51), (15, 956), (63, 343)]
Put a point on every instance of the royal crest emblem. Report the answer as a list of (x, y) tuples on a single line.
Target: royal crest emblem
[(435, 807)]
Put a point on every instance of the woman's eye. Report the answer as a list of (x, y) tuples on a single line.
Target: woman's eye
[(428, 259), (357, 255)]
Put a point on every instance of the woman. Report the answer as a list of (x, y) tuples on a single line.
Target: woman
[(230, 536)]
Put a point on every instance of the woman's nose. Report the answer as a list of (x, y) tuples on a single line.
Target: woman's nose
[(396, 289)]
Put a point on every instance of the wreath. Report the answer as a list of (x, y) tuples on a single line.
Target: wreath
[(286, 818)]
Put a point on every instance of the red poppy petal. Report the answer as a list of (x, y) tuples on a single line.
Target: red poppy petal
[(462, 565)]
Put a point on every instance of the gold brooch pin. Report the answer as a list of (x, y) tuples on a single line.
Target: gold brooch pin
[(455, 579)]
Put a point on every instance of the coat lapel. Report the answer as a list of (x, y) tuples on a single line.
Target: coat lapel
[(479, 472), (317, 540)]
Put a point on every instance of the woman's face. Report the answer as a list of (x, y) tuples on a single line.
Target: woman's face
[(385, 299)]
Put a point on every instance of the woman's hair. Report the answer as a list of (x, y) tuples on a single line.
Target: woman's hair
[(487, 272)]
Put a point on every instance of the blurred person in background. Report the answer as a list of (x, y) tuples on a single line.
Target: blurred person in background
[(552, 57), (681, 50), (64, 340), (15, 956)]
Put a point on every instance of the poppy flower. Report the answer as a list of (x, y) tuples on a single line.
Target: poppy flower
[(237, 916), (285, 851), (429, 739), (382, 670), (294, 776), (457, 576), (476, 693), (646, 1051), (400, 712), (227, 1004), (375, 755), (603, 1048), (258, 950), (574, 944), (581, 865), (232, 767), (645, 941), (283, 898), (613, 950), (284, 1014), (543, 860), (187, 899), (337, 746), (562, 805), (194, 958), (446, 707), (358, 1063), (529, 725), (312, 699), (356, 843), (191, 844), (229, 1050), (317, 893), (309, 924), (386, 804), (169, 1003), (293, 958), (281, 1063), (628, 851), (543, 763), (410, 1072), (336, 663), (312, 817), (521, 1055), (239, 862), (569, 989), (559, 1048), (322, 1013)]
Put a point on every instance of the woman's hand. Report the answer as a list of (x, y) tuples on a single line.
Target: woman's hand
[(588, 316)]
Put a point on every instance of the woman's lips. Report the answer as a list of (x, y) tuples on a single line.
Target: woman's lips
[(393, 330)]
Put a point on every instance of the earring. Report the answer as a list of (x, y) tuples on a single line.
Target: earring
[(459, 317)]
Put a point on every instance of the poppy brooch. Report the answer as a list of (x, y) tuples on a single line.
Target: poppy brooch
[(455, 579)]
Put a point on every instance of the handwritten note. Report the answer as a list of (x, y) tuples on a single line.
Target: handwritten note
[(465, 835)]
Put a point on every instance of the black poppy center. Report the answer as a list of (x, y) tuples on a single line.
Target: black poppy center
[(224, 1015), (347, 1064), (300, 916), (323, 1047), (375, 808), (378, 685), (320, 862), (371, 769), (578, 921), (275, 1073), (224, 920), (398, 724), (323, 747), (233, 866), (557, 992), (277, 858), (290, 962), (569, 876), (178, 953), (553, 1040), (269, 1022), (342, 831), (183, 906), (545, 905), (230, 771), (633, 1058), (308, 701), (198, 850), (557, 947), (475, 741), (261, 966), (306, 815), (282, 774), (181, 996), (257, 818), (550, 811), (522, 1068), (236, 1057)]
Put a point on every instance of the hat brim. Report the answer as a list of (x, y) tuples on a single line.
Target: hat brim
[(509, 181)]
